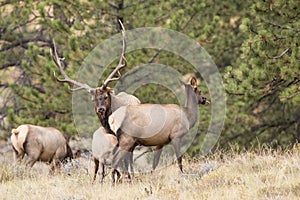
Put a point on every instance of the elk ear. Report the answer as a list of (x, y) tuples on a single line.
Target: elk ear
[(110, 90), (92, 92), (194, 82)]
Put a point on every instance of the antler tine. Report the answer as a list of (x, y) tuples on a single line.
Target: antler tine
[(66, 79), (122, 61)]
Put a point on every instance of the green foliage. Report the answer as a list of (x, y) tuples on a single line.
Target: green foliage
[(38, 98), (255, 44), (267, 77)]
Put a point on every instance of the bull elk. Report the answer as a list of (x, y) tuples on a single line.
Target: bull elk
[(102, 95), (155, 124), (105, 101), (44, 144)]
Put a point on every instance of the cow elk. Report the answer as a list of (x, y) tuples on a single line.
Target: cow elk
[(44, 144), (155, 124)]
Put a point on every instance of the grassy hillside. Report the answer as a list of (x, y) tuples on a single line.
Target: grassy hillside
[(264, 175)]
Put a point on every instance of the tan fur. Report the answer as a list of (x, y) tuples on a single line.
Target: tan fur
[(155, 124), (18, 137), (122, 99), (45, 144), (102, 142)]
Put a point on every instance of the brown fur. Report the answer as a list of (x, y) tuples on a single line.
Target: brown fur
[(102, 106), (44, 144), (105, 102)]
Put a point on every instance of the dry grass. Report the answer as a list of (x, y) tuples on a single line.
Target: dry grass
[(264, 175)]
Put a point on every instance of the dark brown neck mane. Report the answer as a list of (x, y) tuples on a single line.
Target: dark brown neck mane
[(104, 121)]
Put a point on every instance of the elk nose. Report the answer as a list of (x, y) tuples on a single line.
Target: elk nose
[(203, 100), (100, 110)]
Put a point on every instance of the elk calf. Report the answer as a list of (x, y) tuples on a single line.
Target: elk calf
[(103, 145), (44, 144)]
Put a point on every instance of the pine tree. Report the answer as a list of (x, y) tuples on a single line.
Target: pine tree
[(265, 83), (28, 28), (27, 33)]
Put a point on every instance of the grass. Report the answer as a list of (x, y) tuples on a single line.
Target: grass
[(264, 175)]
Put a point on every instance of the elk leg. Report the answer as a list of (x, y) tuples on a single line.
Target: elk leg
[(57, 165), (54, 166), (102, 172), (179, 160), (131, 164), (32, 158), (123, 152), (126, 163), (129, 161), (113, 180), (176, 144), (51, 168), (33, 150), (120, 161), (118, 175), (17, 159), (157, 154), (126, 144), (18, 156), (116, 157), (113, 176), (96, 161), (129, 152), (30, 162)]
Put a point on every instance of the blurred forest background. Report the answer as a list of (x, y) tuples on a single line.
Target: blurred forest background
[(255, 45)]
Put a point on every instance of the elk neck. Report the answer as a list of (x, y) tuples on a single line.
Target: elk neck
[(191, 105), (104, 121)]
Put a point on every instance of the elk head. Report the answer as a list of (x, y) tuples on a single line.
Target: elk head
[(102, 101), (201, 99), (101, 95)]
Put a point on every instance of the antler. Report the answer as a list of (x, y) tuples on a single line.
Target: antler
[(67, 79), (122, 62)]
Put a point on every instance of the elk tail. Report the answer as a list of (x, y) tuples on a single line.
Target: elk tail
[(15, 131)]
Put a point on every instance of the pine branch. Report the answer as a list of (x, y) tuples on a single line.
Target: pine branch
[(22, 42), (282, 54), (283, 27), (12, 64)]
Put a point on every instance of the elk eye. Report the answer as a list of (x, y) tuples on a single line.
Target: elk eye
[(105, 97)]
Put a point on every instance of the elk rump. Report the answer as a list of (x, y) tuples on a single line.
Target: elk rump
[(45, 144)]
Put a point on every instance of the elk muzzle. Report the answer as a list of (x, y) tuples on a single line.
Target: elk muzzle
[(203, 100), (100, 110)]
